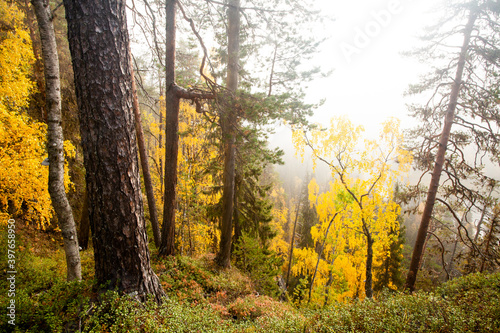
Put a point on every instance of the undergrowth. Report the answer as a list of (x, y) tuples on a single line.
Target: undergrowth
[(203, 298)]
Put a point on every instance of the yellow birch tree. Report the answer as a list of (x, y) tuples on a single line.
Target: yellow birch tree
[(363, 173)]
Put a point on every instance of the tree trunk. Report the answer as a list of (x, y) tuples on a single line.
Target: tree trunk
[(84, 228), (440, 157), (99, 46), (55, 140), (167, 247), (148, 183), (228, 123), (369, 262), (489, 238), (481, 219), (290, 255), (236, 216)]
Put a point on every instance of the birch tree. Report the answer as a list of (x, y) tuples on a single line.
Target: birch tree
[(55, 140), (97, 29)]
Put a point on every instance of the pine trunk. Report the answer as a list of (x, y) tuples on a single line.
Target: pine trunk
[(84, 227), (440, 157), (228, 123), (148, 183), (99, 46), (55, 140), (167, 247)]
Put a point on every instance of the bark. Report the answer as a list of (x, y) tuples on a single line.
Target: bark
[(160, 139), (440, 157), (99, 46), (172, 100), (167, 247), (369, 264), (148, 183), (84, 229), (238, 232), (228, 123), (292, 239), (55, 140), (489, 240)]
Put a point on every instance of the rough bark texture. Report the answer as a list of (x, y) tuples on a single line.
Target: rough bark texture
[(228, 122), (84, 228), (55, 139), (440, 157), (99, 43), (167, 247), (148, 183)]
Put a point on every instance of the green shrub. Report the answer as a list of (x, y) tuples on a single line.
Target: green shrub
[(259, 263), (468, 304), (200, 280)]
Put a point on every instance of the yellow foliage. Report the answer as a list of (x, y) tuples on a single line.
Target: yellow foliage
[(278, 244), (23, 179), (194, 187), (360, 198), (16, 58), (195, 233)]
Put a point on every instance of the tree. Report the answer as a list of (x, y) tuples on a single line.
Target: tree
[(228, 126), (387, 268), (23, 180), (148, 183), (98, 30), (172, 99), (365, 176), (227, 103), (55, 140), (464, 90)]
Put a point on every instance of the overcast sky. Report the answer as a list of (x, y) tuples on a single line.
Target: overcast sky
[(370, 74), (364, 49)]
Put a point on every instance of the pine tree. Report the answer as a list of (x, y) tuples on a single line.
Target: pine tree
[(103, 90)]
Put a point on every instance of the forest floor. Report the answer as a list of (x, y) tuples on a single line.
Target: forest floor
[(203, 298)]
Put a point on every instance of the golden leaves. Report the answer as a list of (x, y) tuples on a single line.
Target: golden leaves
[(361, 193), (23, 180)]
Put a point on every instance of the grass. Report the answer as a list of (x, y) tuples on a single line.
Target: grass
[(203, 298)]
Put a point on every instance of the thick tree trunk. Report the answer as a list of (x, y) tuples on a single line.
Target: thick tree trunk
[(55, 140), (440, 157), (84, 228), (99, 43), (167, 247), (148, 183), (228, 123)]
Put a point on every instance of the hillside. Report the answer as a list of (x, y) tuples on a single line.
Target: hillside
[(203, 298)]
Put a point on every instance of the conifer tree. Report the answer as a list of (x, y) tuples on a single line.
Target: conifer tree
[(461, 114), (103, 90)]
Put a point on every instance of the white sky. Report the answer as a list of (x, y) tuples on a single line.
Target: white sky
[(367, 85), (370, 75)]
